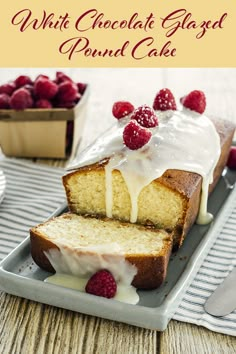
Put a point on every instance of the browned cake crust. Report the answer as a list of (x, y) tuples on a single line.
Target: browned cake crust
[(39, 245), (151, 269), (186, 184)]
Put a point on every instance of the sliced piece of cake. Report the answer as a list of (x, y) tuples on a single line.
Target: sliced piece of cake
[(81, 245)]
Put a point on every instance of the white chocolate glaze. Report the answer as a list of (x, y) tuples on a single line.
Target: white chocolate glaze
[(183, 140), (127, 294), (75, 266)]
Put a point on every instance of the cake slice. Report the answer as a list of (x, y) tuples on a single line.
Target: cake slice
[(170, 202), (73, 237)]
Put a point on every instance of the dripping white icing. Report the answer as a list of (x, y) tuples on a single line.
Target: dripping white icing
[(75, 266), (184, 140), (204, 217)]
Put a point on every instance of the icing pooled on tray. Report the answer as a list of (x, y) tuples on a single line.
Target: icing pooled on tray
[(74, 267), (183, 140)]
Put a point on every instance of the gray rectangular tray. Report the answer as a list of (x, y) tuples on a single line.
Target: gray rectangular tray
[(20, 276)]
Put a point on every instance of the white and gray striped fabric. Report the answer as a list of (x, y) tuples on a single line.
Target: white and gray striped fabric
[(217, 265), (33, 192), (2, 181), (2, 185)]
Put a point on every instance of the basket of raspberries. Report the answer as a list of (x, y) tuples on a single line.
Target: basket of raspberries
[(42, 117)]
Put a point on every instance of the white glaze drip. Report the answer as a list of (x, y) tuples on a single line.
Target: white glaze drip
[(75, 266), (204, 217), (184, 140)]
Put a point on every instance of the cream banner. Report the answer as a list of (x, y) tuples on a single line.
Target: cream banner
[(122, 33)]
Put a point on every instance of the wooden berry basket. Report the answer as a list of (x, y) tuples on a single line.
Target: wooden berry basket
[(43, 132)]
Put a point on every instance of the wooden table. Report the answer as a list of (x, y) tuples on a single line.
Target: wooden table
[(29, 327)]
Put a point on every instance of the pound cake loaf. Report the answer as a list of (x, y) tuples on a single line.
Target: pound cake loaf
[(136, 191), (76, 237), (111, 180)]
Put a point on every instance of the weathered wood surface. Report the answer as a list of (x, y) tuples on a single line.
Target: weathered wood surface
[(30, 327), (27, 327)]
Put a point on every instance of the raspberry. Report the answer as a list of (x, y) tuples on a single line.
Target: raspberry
[(42, 77), (22, 81), (81, 87), (121, 109), (8, 88), (43, 103), (67, 91), (231, 163), (30, 88), (164, 101), (78, 97), (4, 101), (61, 77), (45, 88), (145, 116), (135, 136), (102, 283), (21, 99), (195, 100)]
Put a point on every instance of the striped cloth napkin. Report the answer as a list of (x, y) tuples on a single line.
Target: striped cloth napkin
[(34, 192), (2, 185), (216, 266)]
